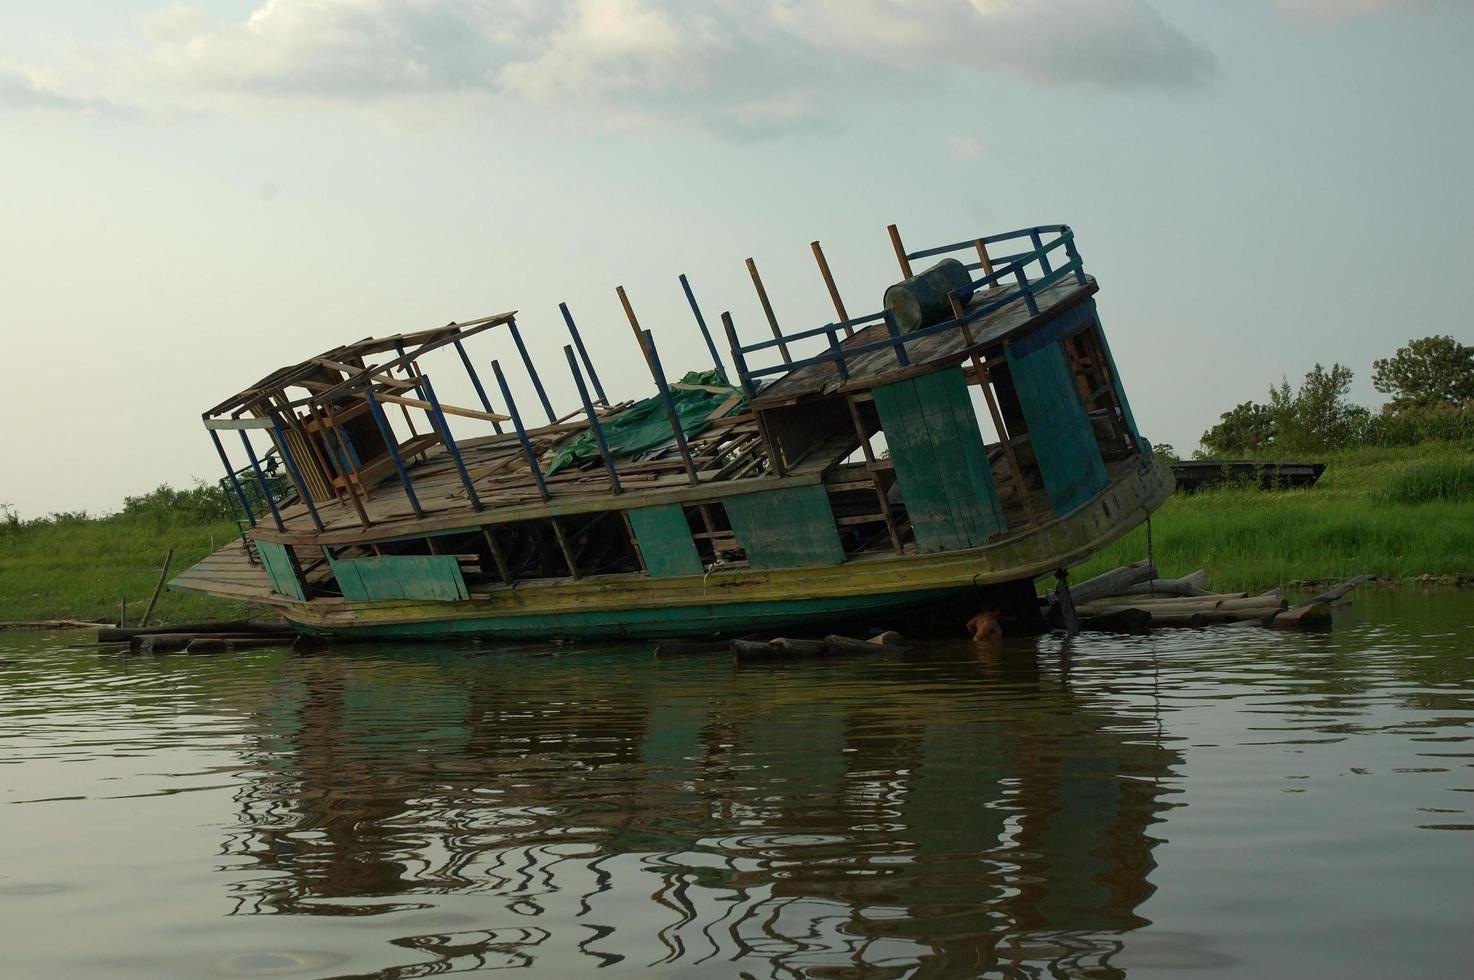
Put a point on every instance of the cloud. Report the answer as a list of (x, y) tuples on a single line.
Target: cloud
[(25, 88), (751, 65), (1331, 11)]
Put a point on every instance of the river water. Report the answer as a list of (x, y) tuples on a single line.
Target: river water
[(1254, 803)]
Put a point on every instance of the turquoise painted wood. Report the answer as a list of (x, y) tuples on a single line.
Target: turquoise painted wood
[(1121, 394), (940, 461), (665, 541), (432, 577), (787, 527), (279, 568), (1059, 430)]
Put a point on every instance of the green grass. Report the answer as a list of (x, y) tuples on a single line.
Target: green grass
[(1394, 512), (72, 566)]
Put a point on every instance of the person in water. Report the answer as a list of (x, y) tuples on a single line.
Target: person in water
[(984, 627)]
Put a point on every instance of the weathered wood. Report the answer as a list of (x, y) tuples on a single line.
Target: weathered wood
[(1194, 584), (1182, 604), (665, 541), (171, 642), (428, 577), (786, 527), (1116, 581), (1308, 616), (108, 634), (1059, 429), (940, 462), (1133, 621), (1331, 595), (153, 600), (216, 644), (836, 645)]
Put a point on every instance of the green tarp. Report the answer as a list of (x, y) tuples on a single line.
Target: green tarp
[(646, 425)]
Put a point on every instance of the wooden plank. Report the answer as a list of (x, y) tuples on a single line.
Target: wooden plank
[(940, 461), (246, 423), (665, 541), (279, 568), (786, 527), (426, 577), (1059, 430)]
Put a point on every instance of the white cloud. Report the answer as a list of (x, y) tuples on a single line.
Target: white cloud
[(1330, 11), (25, 88), (752, 65)]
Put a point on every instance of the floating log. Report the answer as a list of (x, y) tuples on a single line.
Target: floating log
[(1310, 616), (690, 648), (111, 634), (1265, 604), (1115, 582), (1136, 597), (1195, 584), (53, 624), (216, 644), (1331, 595), (889, 638), (1134, 621), (170, 642), (840, 645), (789, 646)]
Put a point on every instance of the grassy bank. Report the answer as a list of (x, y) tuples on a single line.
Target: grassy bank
[(71, 566), (1397, 513)]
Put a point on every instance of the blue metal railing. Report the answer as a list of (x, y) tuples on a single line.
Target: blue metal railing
[(1019, 287)]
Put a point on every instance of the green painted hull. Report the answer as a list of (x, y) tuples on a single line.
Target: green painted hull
[(716, 621)]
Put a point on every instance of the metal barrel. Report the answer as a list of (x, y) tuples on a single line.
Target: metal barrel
[(922, 300)]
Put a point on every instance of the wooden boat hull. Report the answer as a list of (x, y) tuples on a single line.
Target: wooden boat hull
[(724, 603)]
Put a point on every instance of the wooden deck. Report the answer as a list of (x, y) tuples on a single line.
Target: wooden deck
[(879, 367), (228, 572)]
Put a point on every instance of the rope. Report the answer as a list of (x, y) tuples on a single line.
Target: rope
[(1151, 584)]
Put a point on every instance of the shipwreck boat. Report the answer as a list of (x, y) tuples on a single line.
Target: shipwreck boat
[(943, 453)]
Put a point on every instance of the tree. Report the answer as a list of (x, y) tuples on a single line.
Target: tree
[(1430, 371), (1317, 417), (1246, 428), (1314, 418)]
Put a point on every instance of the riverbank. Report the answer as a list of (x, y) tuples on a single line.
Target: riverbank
[(1397, 513), (77, 567)]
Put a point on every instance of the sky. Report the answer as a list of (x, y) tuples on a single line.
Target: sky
[(194, 194)]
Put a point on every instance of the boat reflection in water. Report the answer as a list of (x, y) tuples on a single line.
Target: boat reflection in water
[(934, 809)]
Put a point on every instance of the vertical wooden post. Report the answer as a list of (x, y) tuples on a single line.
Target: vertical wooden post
[(261, 481), (230, 474), (652, 361), (762, 295), (705, 333), (900, 251), (563, 547), (393, 448), (527, 449), (537, 384), (497, 556), (476, 383), (158, 587), (583, 354), (984, 258), (450, 444), (294, 472), (897, 343), (1039, 250), (737, 358), (985, 381), (353, 479), (594, 425), (829, 285)]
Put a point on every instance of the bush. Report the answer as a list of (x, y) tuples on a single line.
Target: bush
[(204, 503), (1435, 480), (1411, 426)]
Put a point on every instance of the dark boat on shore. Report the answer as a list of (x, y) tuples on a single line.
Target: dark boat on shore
[(1266, 474)]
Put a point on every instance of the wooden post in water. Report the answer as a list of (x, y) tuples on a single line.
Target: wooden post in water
[(158, 587)]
